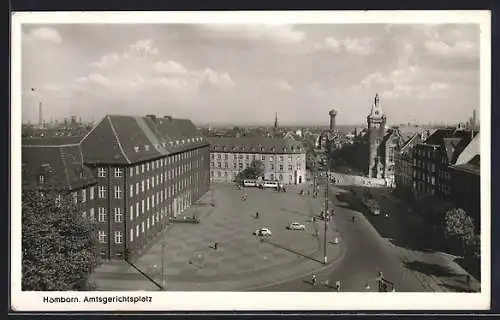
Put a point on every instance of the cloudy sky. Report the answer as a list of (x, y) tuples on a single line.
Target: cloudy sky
[(213, 73)]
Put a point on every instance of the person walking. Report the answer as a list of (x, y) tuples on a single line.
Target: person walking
[(313, 280), (337, 285), (257, 215)]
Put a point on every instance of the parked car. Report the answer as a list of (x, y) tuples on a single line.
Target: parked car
[(262, 232), (296, 226)]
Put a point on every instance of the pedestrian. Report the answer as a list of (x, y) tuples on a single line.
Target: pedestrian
[(257, 214), (313, 280), (216, 245), (337, 285), (353, 219)]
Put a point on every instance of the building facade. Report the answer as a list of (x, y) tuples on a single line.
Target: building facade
[(432, 160), (147, 171), (284, 160), (465, 181)]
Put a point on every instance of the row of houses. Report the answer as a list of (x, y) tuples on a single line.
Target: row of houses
[(444, 163), (131, 175)]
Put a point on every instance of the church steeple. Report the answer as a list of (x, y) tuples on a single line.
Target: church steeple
[(376, 111), (276, 127)]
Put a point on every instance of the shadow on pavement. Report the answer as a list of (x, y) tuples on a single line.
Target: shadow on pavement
[(429, 269), (456, 288), (292, 251), (396, 227)]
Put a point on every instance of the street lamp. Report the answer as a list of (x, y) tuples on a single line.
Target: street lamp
[(324, 219)]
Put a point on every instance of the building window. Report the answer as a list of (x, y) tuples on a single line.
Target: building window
[(263, 158), (102, 192), (102, 236), (137, 209), (142, 227), (92, 215), (131, 235), (137, 188), (132, 172), (142, 205), (75, 197), (137, 231), (147, 166), (241, 165), (271, 177), (101, 172), (271, 166), (131, 190), (41, 178), (147, 224), (118, 237), (118, 172), (142, 168), (118, 215), (281, 177), (131, 213), (290, 168), (281, 158), (84, 195), (142, 187), (91, 193), (218, 174), (118, 192), (102, 214)]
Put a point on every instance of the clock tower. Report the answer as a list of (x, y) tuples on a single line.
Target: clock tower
[(376, 131)]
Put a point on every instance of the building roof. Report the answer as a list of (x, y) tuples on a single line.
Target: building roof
[(119, 139), (52, 141), (468, 168), (452, 140), (62, 167), (257, 145), (470, 151)]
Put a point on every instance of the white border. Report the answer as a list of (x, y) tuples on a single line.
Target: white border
[(228, 301)]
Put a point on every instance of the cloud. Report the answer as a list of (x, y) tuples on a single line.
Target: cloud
[(436, 86), (458, 49), (359, 46), (279, 34), (281, 85), (140, 70), (44, 34), (169, 67)]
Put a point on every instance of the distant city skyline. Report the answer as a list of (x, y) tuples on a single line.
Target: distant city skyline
[(243, 74)]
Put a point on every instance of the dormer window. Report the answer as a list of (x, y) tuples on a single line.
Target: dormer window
[(136, 149), (41, 178), (183, 141), (146, 147), (176, 141), (261, 149)]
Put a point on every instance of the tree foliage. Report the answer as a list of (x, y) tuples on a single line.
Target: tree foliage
[(459, 226), (58, 244), (433, 209), (253, 171)]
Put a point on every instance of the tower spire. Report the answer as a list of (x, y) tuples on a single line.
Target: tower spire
[(276, 122)]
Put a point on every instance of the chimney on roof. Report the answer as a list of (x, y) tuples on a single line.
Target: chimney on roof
[(168, 117), (151, 116)]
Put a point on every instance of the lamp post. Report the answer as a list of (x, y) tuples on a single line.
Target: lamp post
[(324, 219)]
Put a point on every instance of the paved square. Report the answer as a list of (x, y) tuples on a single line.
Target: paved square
[(240, 256)]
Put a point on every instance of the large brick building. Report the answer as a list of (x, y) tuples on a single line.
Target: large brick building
[(142, 171), (284, 159)]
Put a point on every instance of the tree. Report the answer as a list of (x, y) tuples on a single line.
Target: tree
[(253, 171), (58, 243), (459, 226)]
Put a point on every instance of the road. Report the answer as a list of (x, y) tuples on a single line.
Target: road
[(367, 253)]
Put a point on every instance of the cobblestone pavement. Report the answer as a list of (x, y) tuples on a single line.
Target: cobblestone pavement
[(241, 261)]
